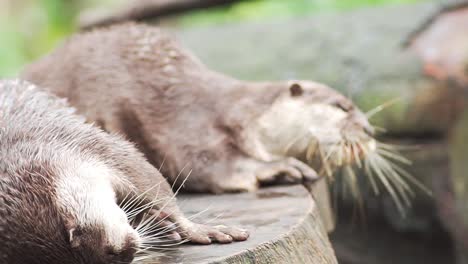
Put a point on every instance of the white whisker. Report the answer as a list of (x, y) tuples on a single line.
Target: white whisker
[(381, 107)]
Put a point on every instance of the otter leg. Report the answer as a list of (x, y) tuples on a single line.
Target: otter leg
[(167, 217), (246, 174), (176, 230), (287, 171)]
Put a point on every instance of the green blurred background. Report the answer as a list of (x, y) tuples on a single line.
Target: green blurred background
[(30, 28)]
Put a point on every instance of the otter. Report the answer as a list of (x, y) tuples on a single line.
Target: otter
[(235, 135), (63, 183)]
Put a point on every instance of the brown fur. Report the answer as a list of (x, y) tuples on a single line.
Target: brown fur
[(136, 80)]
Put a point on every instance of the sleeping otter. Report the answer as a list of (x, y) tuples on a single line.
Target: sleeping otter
[(234, 135), (61, 184)]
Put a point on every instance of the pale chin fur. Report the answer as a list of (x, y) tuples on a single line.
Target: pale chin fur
[(290, 127), (85, 191), (320, 135)]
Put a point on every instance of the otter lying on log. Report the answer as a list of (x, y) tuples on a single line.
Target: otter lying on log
[(71, 193), (233, 135)]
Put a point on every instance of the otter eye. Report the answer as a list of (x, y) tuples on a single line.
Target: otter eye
[(296, 89), (345, 108)]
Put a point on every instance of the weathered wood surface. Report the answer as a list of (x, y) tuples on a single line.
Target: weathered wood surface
[(284, 223)]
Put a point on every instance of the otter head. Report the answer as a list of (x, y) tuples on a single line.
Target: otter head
[(98, 230), (305, 119), (316, 124)]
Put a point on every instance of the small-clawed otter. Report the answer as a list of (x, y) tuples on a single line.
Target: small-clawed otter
[(234, 135), (61, 183)]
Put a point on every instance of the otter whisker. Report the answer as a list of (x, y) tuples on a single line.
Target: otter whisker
[(393, 147), (394, 156), (178, 175), (409, 177), (352, 180), (178, 189), (325, 166), (142, 206), (145, 207), (330, 152), (168, 228), (155, 239), (388, 167), (161, 249), (381, 107), (355, 153), (142, 258), (370, 176), (386, 183), (154, 227), (156, 231), (341, 153), (168, 245), (400, 185), (294, 141), (137, 198), (310, 151), (162, 163), (380, 129)]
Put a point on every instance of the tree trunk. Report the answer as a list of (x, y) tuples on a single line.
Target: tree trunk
[(145, 9), (280, 232)]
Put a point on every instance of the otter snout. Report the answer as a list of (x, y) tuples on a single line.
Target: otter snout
[(129, 249), (125, 251), (358, 122)]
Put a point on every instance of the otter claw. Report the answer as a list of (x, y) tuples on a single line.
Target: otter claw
[(202, 234)]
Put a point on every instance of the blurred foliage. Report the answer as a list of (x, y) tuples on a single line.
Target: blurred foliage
[(261, 9), (30, 28)]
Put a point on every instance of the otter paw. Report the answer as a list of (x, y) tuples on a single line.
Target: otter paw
[(158, 226), (286, 171), (203, 234)]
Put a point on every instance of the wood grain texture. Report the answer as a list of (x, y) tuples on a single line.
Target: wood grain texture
[(284, 223)]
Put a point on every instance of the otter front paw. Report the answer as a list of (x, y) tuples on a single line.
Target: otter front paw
[(286, 171), (203, 234)]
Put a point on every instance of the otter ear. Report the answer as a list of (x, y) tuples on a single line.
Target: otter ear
[(74, 238), (296, 89), (73, 234)]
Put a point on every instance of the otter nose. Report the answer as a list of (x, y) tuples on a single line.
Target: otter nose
[(361, 120), (128, 254), (130, 249), (369, 130)]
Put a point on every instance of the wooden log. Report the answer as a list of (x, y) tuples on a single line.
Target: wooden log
[(284, 223), (144, 9)]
